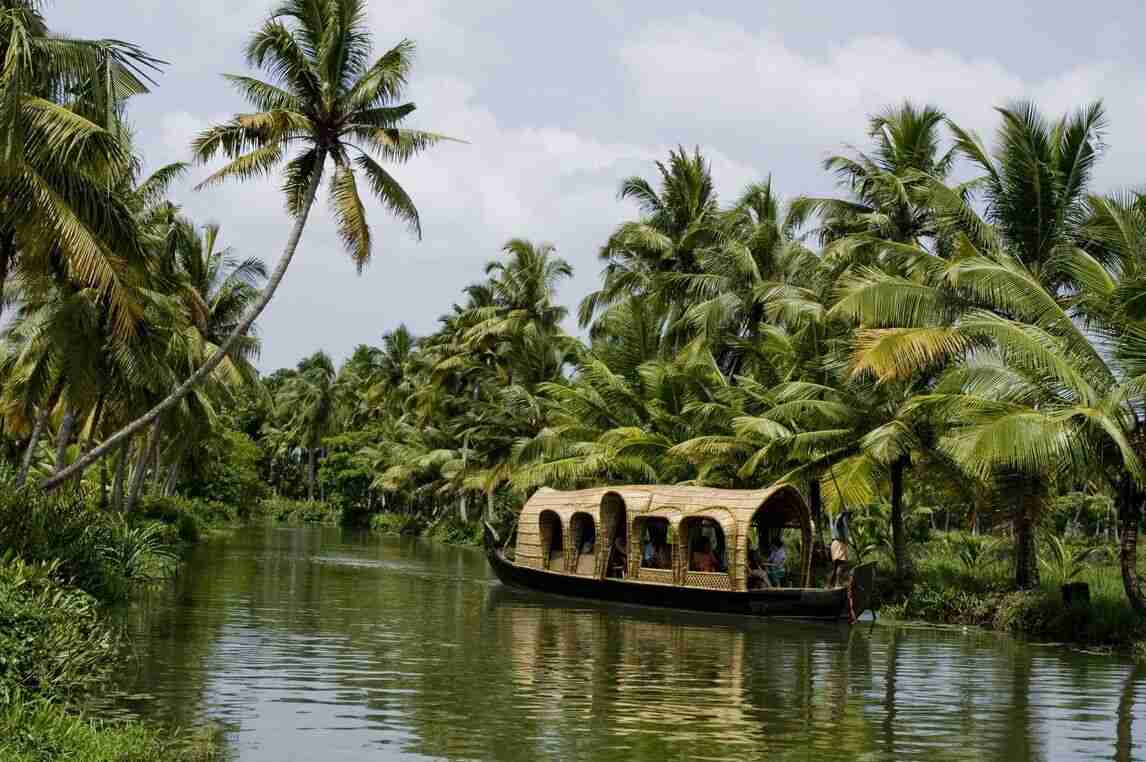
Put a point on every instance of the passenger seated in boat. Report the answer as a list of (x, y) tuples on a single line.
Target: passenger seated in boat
[(618, 558), (656, 553), (703, 559), (757, 575), (776, 561)]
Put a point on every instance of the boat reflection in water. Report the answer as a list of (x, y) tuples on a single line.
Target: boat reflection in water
[(676, 682)]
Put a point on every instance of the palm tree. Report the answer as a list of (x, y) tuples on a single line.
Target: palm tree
[(756, 277), (329, 100), (677, 222), (60, 103), (1006, 286), (888, 188), (307, 404)]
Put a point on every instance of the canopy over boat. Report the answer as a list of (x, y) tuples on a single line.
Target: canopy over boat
[(554, 525)]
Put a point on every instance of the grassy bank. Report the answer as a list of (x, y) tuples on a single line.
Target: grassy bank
[(965, 579), (62, 562), (449, 530)]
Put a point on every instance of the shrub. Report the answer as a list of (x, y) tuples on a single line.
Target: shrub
[(32, 730), (181, 511), (225, 469), (395, 523), (53, 640), (102, 553), (454, 531), (287, 511)]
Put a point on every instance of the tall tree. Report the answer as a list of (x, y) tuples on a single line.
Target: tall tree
[(328, 102)]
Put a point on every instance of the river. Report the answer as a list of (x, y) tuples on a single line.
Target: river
[(328, 644)]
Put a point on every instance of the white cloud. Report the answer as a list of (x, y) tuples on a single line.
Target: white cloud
[(719, 74), (555, 121)]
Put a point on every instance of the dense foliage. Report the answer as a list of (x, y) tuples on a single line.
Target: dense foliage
[(914, 347), (939, 356)]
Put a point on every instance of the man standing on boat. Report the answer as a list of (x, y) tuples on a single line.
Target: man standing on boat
[(841, 547)]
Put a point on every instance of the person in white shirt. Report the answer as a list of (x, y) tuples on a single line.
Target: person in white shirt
[(776, 560), (841, 547)]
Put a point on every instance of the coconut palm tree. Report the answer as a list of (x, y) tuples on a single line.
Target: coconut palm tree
[(307, 403), (677, 222), (327, 102), (60, 105), (887, 188), (1004, 285)]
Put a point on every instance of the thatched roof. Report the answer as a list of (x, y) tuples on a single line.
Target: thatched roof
[(785, 506)]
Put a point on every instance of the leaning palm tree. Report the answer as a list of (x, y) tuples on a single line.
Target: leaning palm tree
[(326, 102)]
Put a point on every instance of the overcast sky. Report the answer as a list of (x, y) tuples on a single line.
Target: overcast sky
[(560, 100)]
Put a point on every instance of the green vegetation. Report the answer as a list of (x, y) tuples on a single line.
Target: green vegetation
[(970, 355), (63, 562), (963, 579), (894, 350)]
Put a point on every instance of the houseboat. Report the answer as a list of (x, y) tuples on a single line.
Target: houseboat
[(680, 547)]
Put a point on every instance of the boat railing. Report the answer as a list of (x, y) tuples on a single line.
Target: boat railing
[(708, 580), (650, 574)]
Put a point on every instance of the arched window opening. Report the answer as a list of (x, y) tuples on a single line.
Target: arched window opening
[(773, 555), (707, 551), (654, 553), (615, 536), (552, 541), (656, 544), (584, 536), (779, 543)]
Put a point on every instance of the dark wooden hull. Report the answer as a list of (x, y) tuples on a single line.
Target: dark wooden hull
[(805, 603)]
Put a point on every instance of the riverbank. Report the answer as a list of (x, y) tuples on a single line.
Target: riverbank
[(964, 579), (63, 563), (449, 530)]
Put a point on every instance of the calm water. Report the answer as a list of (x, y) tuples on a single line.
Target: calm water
[(321, 644)]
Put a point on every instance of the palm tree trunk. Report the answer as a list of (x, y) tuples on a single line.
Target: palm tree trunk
[(33, 442), (241, 329), (64, 435), (146, 455), (489, 506), (7, 257), (37, 432), (310, 473), (1129, 516), (1026, 560), (898, 530), (172, 477), (816, 506), (103, 485), (93, 431), (120, 476)]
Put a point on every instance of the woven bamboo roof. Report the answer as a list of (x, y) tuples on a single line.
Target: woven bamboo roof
[(785, 505)]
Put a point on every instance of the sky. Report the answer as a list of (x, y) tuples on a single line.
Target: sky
[(559, 101)]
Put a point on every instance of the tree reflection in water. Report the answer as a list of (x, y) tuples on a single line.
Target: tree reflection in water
[(323, 643)]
